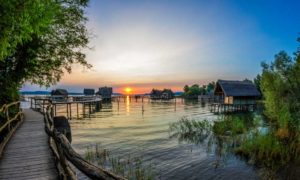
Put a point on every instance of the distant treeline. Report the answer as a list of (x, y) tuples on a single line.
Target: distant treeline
[(195, 90)]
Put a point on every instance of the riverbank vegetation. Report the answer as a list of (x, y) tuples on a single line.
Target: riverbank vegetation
[(280, 85), (275, 148), (130, 167)]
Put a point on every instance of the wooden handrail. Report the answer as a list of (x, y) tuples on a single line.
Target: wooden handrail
[(6, 106), (8, 123), (63, 151), (3, 126)]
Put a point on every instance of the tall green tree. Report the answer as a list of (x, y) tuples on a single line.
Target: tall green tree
[(211, 86), (39, 40), (257, 81), (280, 85)]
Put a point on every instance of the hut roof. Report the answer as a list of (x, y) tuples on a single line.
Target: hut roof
[(169, 91), (156, 92), (238, 88), (88, 91), (59, 92)]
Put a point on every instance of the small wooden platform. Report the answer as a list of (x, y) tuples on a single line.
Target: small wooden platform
[(27, 154), (227, 108)]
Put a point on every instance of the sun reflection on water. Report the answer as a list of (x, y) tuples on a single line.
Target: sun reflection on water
[(127, 105)]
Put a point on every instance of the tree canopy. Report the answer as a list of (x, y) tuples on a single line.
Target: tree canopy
[(195, 90), (280, 84), (39, 40)]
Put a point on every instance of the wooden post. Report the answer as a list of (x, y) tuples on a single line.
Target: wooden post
[(43, 105), (77, 109), (83, 109), (70, 110), (175, 104), (90, 108), (67, 110), (54, 109)]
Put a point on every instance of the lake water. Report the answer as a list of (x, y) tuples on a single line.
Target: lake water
[(142, 129)]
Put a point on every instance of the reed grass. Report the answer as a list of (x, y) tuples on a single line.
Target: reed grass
[(130, 167)]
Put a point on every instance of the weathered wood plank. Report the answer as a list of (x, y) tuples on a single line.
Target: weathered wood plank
[(27, 154)]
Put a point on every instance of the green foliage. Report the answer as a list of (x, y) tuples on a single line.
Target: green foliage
[(195, 90), (186, 89), (196, 131), (231, 126), (40, 39), (280, 146), (280, 85), (222, 136), (269, 152), (20, 19), (190, 130), (210, 87), (257, 81)]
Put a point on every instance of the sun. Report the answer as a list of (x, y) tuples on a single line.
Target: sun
[(128, 90)]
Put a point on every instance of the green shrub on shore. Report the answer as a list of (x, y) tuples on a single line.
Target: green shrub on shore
[(228, 126)]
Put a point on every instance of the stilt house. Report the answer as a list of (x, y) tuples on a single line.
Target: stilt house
[(237, 92)]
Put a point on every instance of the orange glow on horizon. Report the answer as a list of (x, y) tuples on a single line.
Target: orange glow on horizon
[(128, 90), (131, 90)]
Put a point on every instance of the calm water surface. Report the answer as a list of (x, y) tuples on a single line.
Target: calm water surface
[(124, 128)]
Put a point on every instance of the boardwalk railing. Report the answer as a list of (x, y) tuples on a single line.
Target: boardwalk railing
[(65, 154), (89, 103), (8, 124)]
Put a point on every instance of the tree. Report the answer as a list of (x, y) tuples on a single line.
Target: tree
[(211, 86), (280, 85), (257, 81), (40, 39), (186, 88)]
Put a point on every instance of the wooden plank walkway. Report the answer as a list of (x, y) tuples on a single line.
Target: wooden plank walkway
[(27, 154)]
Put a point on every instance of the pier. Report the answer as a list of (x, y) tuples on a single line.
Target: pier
[(34, 145), (27, 154), (84, 105)]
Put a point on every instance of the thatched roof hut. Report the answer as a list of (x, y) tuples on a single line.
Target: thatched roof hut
[(237, 92), (161, 94), (155, 94), (89, 92), (59, 92), (105, 92)]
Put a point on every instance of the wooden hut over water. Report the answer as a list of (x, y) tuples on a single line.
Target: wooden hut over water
[(167, 94), (59, 95), (162, 94), (155, 94), (105, 92), (236, 94), (89, 92)]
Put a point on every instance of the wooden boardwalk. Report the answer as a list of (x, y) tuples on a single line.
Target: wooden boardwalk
[(27, 155)]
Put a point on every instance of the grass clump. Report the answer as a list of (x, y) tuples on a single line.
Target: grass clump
[(229, 126), (133, 168), (190, 130)]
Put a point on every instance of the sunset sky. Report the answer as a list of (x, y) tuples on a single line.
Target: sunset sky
[(169, 43)]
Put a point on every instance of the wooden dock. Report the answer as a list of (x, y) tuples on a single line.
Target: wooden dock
[(228, 108), (27, 154)]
